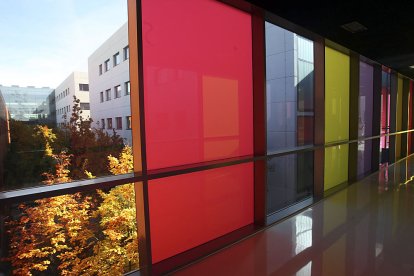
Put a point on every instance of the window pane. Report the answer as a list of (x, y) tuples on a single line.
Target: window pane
[(289, 180), (289, 80), (191, 209), (126, 53), (116, 59), (84, 233), (197, 82), (366, 82), (56, 92)]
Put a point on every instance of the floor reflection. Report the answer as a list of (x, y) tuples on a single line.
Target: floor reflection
[(365, 229)]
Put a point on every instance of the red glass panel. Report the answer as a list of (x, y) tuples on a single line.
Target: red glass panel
[(197, 59), (191, 209)]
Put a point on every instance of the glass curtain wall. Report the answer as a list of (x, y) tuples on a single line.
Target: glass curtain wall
[(290, 116), (77, 220)]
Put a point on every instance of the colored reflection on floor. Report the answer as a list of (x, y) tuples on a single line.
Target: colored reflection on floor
[(365, 229)]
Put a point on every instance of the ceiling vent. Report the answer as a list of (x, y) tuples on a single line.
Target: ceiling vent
[(354, 27)]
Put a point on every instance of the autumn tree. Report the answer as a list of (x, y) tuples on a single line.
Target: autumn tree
[(53, 234), (77, 234), (25, 159), (89, 146), (117, 252)]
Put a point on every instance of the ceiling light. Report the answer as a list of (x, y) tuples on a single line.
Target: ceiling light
[(354, 27), (412, 66)]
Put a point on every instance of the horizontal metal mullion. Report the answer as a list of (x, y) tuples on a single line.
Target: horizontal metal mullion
[(38, 192), (32, 193), (172, 171)]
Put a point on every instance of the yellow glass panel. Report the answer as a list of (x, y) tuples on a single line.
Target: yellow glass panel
[(337, 66), (336, 96), (399, 118), (336, 166)]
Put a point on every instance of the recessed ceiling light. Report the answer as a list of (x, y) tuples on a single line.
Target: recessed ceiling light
[(412, 66), (354, 27)]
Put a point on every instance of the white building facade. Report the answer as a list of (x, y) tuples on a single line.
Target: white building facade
[(108, 69), (76, 84)]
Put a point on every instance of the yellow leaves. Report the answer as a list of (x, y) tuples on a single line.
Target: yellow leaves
[(78, 234), (89, 175), (48, 136), (122, 164)]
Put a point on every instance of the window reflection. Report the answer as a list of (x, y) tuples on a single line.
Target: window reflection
[(289, 180), (303, 233), (289, 79), (290, 115)]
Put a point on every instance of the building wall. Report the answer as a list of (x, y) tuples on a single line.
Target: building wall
[(100, 82), (64, 96)]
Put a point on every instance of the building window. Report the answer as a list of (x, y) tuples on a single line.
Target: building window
[(126, 53), (117, 59), (127, 88), (128, 122), (106, 65), (118, 121), (108, 94), (103, 123), (117, 91), (102, 97), (109, 123), (83, 87), (100, 69), (85, 106)]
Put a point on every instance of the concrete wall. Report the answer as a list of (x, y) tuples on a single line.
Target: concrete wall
[(116, 75), (64, 96)]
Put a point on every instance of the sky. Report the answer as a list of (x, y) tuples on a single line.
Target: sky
[(43, 41)]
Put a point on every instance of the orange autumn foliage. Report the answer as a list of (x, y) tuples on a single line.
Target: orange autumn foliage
[(77, 234)]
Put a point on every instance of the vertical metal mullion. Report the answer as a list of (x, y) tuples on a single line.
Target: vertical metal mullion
[(353, 117), (319, 117), (138, 134), (393, 116), (259, 114), (405, 103)]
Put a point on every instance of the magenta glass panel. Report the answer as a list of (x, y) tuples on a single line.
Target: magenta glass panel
[(385, 116), (197, 58), (191, 209)]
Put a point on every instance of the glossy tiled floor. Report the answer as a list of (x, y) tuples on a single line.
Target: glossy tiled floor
[(366, 229)]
